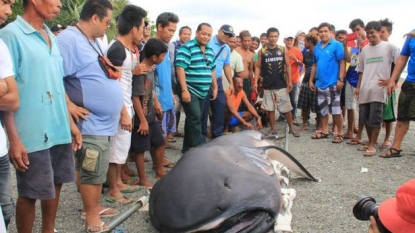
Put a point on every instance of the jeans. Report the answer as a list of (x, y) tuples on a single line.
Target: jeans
[(193, 123), (217, 107), (294, 99), (6, 200)]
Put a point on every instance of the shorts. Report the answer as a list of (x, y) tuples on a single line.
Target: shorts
[(406, 102), (371, 114), (155, 138), (328, 101), (277, 99), (234, 122), (47, 168), (389, 114), (307, 98), (93, 158), (350, 100), (120, 143), (168, 124)]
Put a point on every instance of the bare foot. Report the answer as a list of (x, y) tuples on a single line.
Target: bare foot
[(304, 127), (146, 183), (161, 175)]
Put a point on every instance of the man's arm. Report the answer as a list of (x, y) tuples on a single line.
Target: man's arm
[(312, 75), (257, 71), (214, 85), (235, 113), (288, 72), (10, 101), (76, 111), (181, 78), (17, 151), (228, 74), (253, 111), (143, 128), (399, 66), (340, 81)]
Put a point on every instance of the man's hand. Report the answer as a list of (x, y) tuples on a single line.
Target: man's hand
[(77, 112), (383, 82), (356, 93), (373, 227), (289, 87), (186, 96), (143, 128), (258, 123), (157, 107), (214, 94), (311, 86), (18, 156), (76, 137), (248, 125), (231, 89), (140, 69), (125, 122), (339, 85), (391, 86), (255, 87)]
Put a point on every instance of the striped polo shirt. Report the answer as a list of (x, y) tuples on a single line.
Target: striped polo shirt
[(197, 66)]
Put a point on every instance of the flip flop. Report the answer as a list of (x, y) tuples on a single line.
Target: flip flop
[(118, 199), (131, 181), (337, 139), (354, 141), (385, 146), (319, 135), (362, 148), (391, 153), (169, 165), (369, 153), (178, 134), (100, 228), (130, 189), (102, 214)]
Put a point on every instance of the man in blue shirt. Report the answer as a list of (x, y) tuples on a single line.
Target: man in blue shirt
[(40, 131), (90, 89), (222, 62), (406, 102), (328, 71)]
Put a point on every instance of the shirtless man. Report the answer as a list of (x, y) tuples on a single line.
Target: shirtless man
[(248, 59)]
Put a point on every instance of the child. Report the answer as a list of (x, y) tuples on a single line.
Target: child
[(147, 131)]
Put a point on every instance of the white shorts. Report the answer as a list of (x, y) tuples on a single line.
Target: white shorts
[(277, 99), (120, 143), (349, 99)]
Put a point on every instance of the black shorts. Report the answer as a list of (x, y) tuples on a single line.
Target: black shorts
[(154, 138), (371, 114), (406, 102)]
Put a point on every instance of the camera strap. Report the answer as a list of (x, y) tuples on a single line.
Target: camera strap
[(100, 54)]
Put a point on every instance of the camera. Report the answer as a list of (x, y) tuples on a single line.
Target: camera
[(364, 208)]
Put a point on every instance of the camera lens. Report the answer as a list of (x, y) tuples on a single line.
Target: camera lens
[(365, 207)]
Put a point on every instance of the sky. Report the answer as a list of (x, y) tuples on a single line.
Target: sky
[(287, 16)]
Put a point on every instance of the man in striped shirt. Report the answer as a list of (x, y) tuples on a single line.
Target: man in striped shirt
[(196, 74)]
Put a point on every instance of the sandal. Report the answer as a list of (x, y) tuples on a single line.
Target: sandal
[(385, 146), (99, 227), (119, 200), (354, 141), (337, 139), (369, 153), (391, 153), (362, 148), (102, 213), (295, 134), (319, 135)]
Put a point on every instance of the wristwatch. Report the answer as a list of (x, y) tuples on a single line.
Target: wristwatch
[(341, 79)]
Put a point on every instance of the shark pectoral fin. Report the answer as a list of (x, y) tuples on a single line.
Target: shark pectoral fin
[(289, 161)]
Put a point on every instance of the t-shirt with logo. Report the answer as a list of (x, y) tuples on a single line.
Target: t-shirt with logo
[(273, 67)]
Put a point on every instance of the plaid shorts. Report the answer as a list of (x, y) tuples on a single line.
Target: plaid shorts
[(328, 101), (277, 99), (307, 98)]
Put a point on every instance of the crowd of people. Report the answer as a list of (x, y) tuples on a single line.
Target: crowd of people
[(77, 108)]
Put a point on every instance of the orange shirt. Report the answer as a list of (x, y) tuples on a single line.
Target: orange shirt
[(295, 68), (235, 99)]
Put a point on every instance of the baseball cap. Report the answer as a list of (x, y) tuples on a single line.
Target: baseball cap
[(398, 214), (227, 29), (56, 27), (299, 33), (288, 36)]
